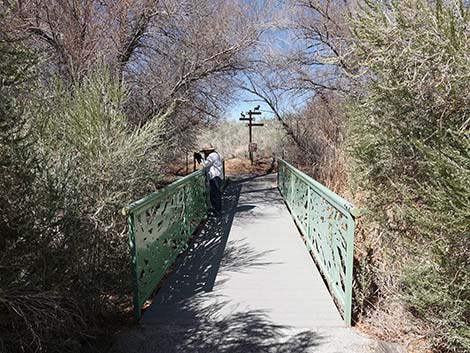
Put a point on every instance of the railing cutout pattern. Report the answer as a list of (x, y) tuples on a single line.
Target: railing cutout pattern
[(159, 228), (327, 222)]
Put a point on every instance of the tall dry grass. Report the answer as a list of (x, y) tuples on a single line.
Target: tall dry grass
[(231, 139)]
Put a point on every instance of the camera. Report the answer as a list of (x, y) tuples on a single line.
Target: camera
[(198, 157)]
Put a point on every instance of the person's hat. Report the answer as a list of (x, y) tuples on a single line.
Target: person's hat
[(207, 147)]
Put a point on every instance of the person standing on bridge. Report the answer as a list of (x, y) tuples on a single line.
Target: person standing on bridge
[(213, 163)]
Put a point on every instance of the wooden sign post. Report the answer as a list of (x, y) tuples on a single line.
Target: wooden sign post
[(250, 124)]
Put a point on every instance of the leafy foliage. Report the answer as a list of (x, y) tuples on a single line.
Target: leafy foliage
[(72, 164), (409, 135)]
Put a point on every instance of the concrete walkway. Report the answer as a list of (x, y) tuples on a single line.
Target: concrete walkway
[(246, 284)]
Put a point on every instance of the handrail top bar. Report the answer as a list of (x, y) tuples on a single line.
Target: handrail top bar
[(329, 195), (159, 193)]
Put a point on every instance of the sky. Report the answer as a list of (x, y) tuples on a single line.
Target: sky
[(277, 40), (246, 102)]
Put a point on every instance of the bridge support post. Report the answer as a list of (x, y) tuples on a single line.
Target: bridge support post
[(349, 271), (135, 284), (291, 193), (309, 219)]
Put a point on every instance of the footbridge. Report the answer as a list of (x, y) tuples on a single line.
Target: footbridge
[(272, 273)]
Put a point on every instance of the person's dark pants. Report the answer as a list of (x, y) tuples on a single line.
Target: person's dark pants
[(215, 194)]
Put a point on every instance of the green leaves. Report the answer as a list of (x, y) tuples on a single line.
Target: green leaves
[(78, 164), (412, 154)]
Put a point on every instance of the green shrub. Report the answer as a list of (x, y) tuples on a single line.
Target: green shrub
[(409, 136), (92, 164), (65, 253)]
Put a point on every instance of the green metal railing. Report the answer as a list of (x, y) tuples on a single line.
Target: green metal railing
[(327, 222), (159, 228)]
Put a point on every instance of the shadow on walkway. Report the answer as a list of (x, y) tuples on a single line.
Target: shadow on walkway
[(209, 332), (187, 316)]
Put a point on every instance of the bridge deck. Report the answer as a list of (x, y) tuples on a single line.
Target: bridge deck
[(246, 284)]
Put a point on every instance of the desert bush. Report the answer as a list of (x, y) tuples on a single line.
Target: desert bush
[(93, 164), (74, 164), (319, 132), (27, 314), (409, 137)]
